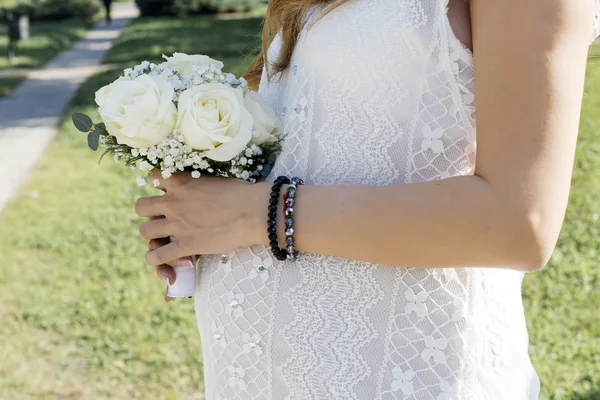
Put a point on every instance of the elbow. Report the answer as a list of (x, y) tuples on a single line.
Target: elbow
[(532, 241), (539, 254)]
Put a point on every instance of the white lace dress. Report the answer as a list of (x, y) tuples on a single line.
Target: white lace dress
[(378, 92)]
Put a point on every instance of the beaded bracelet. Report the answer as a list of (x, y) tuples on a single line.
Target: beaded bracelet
[(290, 201), (278, 252)]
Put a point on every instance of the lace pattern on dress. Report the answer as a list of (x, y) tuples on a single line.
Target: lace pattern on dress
[(378, 92)]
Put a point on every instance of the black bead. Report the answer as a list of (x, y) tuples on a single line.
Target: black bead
[(274, 201), (289, 240), (271, 222), (274, 195), (281, 256), (272, 208), (274, 243), (272, 229), (272, 236), (272, 214), (282, 179)]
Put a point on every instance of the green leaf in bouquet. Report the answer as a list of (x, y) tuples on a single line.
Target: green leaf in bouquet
[(94, 139), (101, 128), (82, 122)]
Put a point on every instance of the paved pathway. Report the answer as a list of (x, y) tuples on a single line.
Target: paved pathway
[(30, 115)]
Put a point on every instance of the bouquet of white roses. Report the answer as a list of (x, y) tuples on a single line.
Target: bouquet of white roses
[(184, 114)]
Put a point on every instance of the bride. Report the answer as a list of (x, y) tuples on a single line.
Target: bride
[(414, 229)]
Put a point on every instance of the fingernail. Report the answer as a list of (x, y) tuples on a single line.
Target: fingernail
[(184, 262), (165, 279)]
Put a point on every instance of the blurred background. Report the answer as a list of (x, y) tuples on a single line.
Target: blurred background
[(81, 315)]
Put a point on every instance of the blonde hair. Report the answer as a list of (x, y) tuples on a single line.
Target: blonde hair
[(287, 18)]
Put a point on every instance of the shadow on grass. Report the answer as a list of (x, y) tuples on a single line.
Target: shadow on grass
[(232, 41), (9, 83)]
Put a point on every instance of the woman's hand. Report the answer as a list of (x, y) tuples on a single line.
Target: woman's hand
[(206, 216)]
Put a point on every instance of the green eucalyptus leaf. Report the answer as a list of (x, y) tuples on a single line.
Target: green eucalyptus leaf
[(101, 127), (82, 122), (93, 139)]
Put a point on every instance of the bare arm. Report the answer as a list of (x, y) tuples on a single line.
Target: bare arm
[(530, 58)]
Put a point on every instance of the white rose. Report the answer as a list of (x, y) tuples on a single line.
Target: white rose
[(265, 120), (212, 118), (139, 112), (184, 63)]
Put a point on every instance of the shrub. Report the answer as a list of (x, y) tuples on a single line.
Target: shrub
[(189, 7), (63, 9), (153, 8), (55, 9), (231, 5)]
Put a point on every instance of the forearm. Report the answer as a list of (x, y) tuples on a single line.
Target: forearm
[(458, 222)]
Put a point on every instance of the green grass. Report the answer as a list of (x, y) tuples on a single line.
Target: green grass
[(47, 39), (82, 316), (8, 83), (561, 301), (230, 41)]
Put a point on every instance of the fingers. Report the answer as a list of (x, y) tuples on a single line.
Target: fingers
[(165, 254), (163, 271), (154, 176), (155, 229), (156, 243), (166, 274), (150, 206), (166, 185)]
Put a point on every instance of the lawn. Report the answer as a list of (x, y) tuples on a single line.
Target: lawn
[(47, 39), (82, 316)]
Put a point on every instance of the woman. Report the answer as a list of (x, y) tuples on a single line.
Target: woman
[(412, 252)]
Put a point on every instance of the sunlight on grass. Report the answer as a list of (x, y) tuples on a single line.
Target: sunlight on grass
[(84, 314), (48, 38)]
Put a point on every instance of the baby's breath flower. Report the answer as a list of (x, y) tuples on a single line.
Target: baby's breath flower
[(144, 165), (140, 181), (156, 182), (142, 152), (166, 173), (245, 175), (135, 152), (116, 157), (196, 174)]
